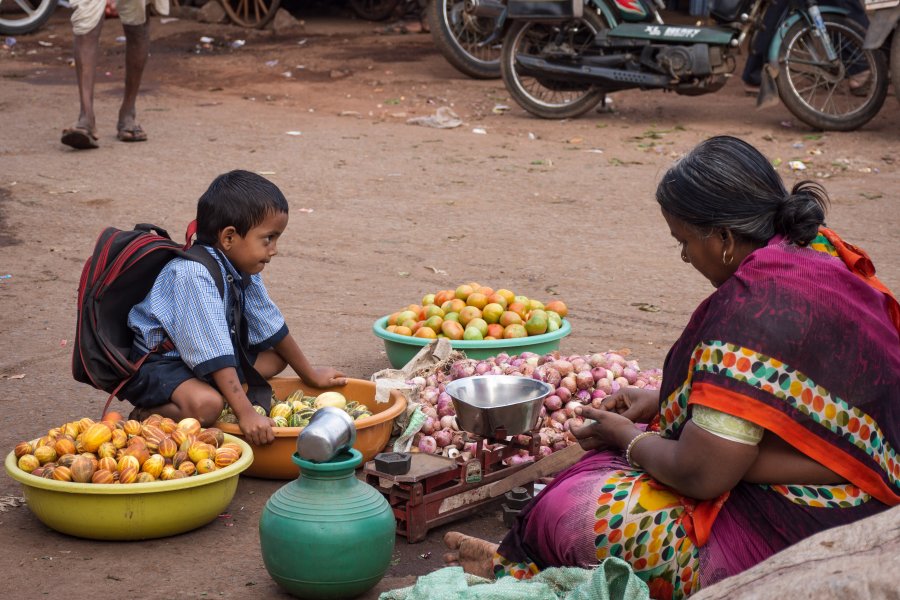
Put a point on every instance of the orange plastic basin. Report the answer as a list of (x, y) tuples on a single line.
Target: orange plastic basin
[(273, 461)]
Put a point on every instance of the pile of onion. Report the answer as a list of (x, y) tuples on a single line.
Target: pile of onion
[(579, 380)]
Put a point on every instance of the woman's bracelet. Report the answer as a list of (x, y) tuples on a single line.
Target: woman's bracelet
[(631, 444)]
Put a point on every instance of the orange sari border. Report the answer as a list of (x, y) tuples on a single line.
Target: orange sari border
[(751, 409)]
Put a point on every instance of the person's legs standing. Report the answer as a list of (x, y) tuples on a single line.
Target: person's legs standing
[(137, 49)]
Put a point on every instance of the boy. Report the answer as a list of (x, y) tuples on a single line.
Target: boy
[(239, 221)]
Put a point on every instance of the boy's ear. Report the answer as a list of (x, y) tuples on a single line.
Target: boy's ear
[(226, 237)]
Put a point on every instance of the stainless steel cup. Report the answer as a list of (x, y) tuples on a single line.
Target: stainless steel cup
[(329, 432)]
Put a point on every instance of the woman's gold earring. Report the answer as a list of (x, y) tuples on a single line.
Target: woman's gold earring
[(730, 259), (684, 257)]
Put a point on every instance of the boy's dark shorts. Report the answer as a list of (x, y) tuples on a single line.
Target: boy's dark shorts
[(157, 379)]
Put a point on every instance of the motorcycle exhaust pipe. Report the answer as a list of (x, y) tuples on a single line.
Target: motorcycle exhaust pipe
[(621, 79), (490, 9)]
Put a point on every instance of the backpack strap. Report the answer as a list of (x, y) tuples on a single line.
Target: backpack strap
[(258, 389)]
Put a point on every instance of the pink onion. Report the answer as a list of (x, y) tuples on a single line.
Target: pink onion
[(563, 393), (432, 380), (597, 360), (570, 408), (553, 402), (429, 395), (630, 374), (430, 411), (560, 445), (621, 381), (518, 459), (556, 425), (564, 367), (545, 451), (428, 426), (597, 402), (583, 396), (568, 382), (482, 367), (559, 416), (584, 380), (617, 369), (578, 364), (449, 422), (616, 358), (552, 376), (445, 405), (443, 437), (604, 385), (428, 445), (573, 423)]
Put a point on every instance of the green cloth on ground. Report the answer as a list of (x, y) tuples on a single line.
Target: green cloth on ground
[(613, 579)]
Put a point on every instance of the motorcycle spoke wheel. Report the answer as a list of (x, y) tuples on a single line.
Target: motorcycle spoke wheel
[(545, 97), (24, 16), (461, 37), (839, 96)]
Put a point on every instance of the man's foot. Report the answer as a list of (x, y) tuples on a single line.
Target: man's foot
[(79, 137), (859, 83), (132, 133), (474, 555)]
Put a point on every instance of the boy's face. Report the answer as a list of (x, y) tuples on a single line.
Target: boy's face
[(251, 252)]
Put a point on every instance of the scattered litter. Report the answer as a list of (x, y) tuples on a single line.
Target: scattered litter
[(302, 42), (870, 196), (271, 63), (7, 502), (443, 118), (237, 44), (62, 343), (9, 42), (426, 555), (16, 376), (815, 152), (46, 44), (349, 113), (435, 270), (787, 124), (403, 273), (776, 162), (206, 40), (797, 165), (865, 170), (294, 132), (576, 140), (646, 307), (499, 109), (594, 150), (7, 276), (167, 20), (532, 136), (480, 131), (305, 210), (797, 145), (265, 172), (287, 74)]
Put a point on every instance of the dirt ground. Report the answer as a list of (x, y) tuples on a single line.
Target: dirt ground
[(381, 213)]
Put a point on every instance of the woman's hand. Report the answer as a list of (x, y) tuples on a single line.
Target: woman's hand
[(609, 429), (325, 377), (257, 428), (636, 404)]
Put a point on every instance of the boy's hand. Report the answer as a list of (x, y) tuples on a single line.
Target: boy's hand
[(257, 428), (325, 377)]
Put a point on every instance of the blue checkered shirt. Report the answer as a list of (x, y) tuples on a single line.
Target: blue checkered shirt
[(184, 306)]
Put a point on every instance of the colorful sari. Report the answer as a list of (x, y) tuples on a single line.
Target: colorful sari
[(804, 342)]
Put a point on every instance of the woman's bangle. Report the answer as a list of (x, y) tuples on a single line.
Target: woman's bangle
[(631, 444)]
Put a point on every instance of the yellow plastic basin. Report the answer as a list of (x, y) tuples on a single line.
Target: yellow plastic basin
[(273, 461), (135, 511)]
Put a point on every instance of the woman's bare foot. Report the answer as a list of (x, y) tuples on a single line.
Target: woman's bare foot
[(474, 555)]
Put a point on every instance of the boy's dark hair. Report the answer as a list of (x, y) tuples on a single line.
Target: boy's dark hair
[(238, 198)]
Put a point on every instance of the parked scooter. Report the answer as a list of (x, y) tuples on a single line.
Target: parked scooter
[(560, 58), (884, 21), (24, 16)]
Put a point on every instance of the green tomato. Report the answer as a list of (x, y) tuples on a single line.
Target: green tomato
[(472, 334)]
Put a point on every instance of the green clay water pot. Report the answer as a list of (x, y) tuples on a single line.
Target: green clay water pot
[(327, 535)]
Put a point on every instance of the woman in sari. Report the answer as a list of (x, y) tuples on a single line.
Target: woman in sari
[(778, 411)]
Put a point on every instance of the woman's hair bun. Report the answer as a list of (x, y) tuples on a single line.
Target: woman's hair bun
[(802, 212)]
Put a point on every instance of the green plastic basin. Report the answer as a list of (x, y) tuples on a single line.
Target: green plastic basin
[(401, 348)]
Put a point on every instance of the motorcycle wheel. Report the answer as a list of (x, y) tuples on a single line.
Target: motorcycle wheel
[(895, 63), (24, 16), (550, 99), (457, 35), (374, 10), (255, 14), (820, 96)]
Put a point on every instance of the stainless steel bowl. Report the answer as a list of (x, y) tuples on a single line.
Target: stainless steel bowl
[(488, 404), (330, 430)]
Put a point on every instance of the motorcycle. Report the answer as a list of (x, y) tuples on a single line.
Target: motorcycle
[(468, 33), (24, 16), (884, 20), (560, 58)]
